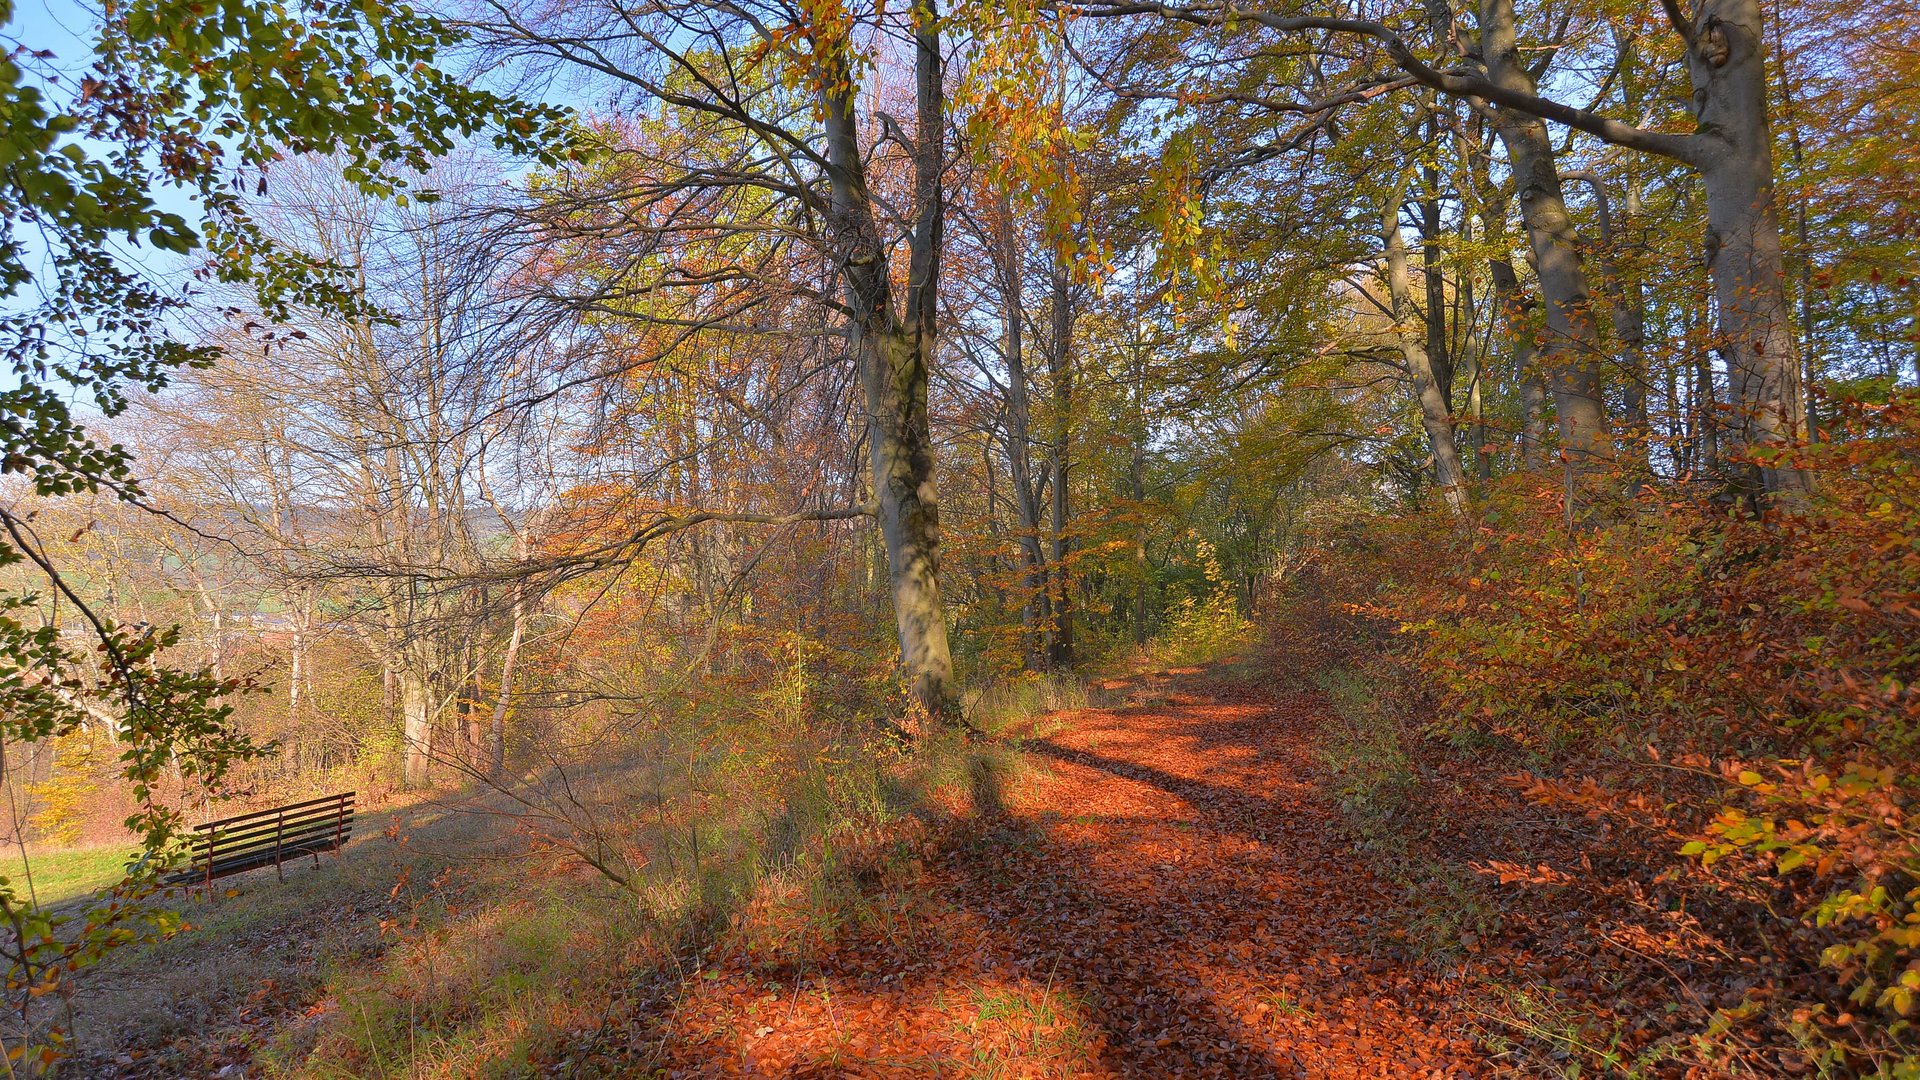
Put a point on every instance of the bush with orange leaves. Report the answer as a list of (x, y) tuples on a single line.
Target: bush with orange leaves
[(1774, 660)]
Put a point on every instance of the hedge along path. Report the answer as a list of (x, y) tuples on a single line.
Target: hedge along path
[(1169, 895)]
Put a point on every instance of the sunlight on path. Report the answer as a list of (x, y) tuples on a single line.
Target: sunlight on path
[(1168, 898)]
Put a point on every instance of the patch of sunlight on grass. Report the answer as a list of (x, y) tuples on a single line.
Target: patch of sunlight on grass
[(1026, 1031), (1002, 706), (58, 876)]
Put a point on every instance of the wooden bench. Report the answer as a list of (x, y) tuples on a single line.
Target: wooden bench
[(266, 838)]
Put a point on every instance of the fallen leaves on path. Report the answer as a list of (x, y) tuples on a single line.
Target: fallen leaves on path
[(1169, 895)]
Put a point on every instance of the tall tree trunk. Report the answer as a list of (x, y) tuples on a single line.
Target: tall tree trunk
[(300, 662), (1570, 354), (1435, 417), (1432, 272), (416, 729), (895, 354), (1034, 610), (1136, 485), (1728, 64), (895, 377), (1533, 413), (219, 645), (496, 749), (1060, 367)]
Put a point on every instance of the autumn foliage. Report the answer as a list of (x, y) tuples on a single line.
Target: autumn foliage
[(1734, 694)]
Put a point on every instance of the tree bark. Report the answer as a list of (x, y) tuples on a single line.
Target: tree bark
[(1727, 61), (496, 749), (416, 729), (895, 354), (1019, 425), (1570, 354), (1060, 367), (1435, 417)]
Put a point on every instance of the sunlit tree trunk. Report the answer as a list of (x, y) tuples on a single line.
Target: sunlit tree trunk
[(895, 353), (1570, 353), (416, 728)]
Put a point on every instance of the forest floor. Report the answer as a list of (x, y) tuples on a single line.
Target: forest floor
[(1169, 892), (259, 953), (1246, 869)]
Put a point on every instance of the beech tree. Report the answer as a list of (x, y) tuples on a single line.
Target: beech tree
[(1731, 146), (777, 164)]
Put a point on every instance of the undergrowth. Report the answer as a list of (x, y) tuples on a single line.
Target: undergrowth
[(1715, 715), (768, 835), (1371, 762)]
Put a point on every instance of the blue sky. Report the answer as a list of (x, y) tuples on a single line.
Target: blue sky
[(65, 28), (60, 25)]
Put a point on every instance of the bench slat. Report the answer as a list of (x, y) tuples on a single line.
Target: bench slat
[(241, 833), (343, 797), (269, 837)]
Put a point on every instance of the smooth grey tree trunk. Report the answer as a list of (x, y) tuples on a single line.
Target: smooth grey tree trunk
[(1570, 353), (1728, 64), (416, 728), (895, 351)]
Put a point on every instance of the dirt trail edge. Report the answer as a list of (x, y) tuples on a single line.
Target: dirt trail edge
[(1170, 895)]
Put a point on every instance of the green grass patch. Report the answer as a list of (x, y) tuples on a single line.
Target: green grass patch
[(58, 876), (1363, 750), (1025, 1031), (1373, 776)]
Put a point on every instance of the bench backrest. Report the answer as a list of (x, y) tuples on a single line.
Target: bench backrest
[(267, 838)]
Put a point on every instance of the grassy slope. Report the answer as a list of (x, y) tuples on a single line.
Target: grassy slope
[(260, 952), (58, 876), (469, 950)]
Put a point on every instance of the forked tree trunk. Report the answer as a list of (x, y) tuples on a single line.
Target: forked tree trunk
[(895, 351), (1570, 354), (1435, 417)]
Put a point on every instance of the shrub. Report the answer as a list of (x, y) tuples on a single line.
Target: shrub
[(1768, 662), (1204, 628)]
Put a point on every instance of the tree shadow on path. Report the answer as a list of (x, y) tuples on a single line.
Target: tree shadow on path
[(1168, 896)]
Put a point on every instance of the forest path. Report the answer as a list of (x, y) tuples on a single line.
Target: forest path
[(1171, 894)]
